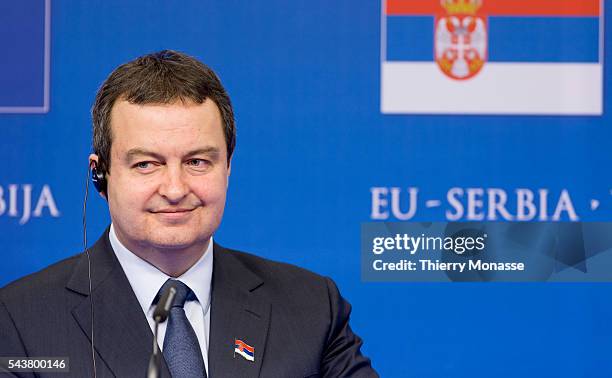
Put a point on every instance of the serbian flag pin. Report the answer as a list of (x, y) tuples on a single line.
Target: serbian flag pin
[(244, 349)]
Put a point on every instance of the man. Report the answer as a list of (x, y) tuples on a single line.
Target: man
[(163, 137)]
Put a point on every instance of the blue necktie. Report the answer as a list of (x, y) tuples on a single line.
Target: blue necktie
[(181, 348)]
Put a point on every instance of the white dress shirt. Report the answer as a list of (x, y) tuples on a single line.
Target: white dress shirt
[(146, 280)]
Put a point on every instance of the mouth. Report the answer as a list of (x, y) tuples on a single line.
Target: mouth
[(172, 211), (174, 215)]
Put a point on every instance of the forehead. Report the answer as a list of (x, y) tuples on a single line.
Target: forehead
[(169, 127)]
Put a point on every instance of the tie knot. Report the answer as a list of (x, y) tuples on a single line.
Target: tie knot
[(183, 292)]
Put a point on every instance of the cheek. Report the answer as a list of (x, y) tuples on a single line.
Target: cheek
[(126, 195), (213, 193)]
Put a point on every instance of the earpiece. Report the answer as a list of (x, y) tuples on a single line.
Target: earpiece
[(99, 182), (98, 178)]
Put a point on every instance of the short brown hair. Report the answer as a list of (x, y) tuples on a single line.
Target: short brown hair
[(158, 78)]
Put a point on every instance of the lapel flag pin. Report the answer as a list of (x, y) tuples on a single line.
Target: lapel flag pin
[(244, 349)]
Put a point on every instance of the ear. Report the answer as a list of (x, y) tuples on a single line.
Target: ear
[(229, 171), (93, 160), (93, 163)]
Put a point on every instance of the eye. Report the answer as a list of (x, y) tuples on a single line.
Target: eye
[(144, 166), (196, 163)]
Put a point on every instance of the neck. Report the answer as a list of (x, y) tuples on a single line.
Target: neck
[(173, 261)]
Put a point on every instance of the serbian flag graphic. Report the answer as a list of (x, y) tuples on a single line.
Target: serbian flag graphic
[(492, 57), (244, 349)]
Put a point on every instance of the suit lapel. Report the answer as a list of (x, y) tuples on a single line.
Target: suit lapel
[(122, 337), (236, 313)]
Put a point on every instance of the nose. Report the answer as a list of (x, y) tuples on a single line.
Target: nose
[(173, 187)]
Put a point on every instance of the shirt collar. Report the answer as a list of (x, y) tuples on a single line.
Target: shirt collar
[(146, 279)]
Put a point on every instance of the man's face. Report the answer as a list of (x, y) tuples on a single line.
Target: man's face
[(168, 176)]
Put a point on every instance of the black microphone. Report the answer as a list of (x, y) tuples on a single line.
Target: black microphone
[(160, 315)]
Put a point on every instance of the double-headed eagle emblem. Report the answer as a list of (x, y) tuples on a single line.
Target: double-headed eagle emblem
[(460, 38)]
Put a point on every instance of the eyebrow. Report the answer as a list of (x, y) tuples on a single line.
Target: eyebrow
[(208, 150)]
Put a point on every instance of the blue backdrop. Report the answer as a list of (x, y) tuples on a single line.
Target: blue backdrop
[(305, 81)]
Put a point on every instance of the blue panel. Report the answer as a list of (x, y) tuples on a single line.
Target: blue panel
[(304, 78), (543, 39), (410, 38), (22, 35)]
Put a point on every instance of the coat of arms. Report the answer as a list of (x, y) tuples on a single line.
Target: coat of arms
[(460, 38)]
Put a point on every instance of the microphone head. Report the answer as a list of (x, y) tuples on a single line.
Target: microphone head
[(165, 302)]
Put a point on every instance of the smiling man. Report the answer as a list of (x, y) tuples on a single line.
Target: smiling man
[(163, 138), (166, 193)]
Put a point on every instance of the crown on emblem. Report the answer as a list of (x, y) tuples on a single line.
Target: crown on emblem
[(461, 6)]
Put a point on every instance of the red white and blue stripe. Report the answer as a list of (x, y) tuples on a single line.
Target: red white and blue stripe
[(245, 350), (543, 57)]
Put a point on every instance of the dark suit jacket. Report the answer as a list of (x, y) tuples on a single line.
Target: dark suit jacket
[(296, 320)]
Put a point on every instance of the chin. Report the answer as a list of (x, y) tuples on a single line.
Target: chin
[(171, 244), (177, 242)]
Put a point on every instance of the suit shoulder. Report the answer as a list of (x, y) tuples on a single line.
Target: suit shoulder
[(276, 271), (47, 279)]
